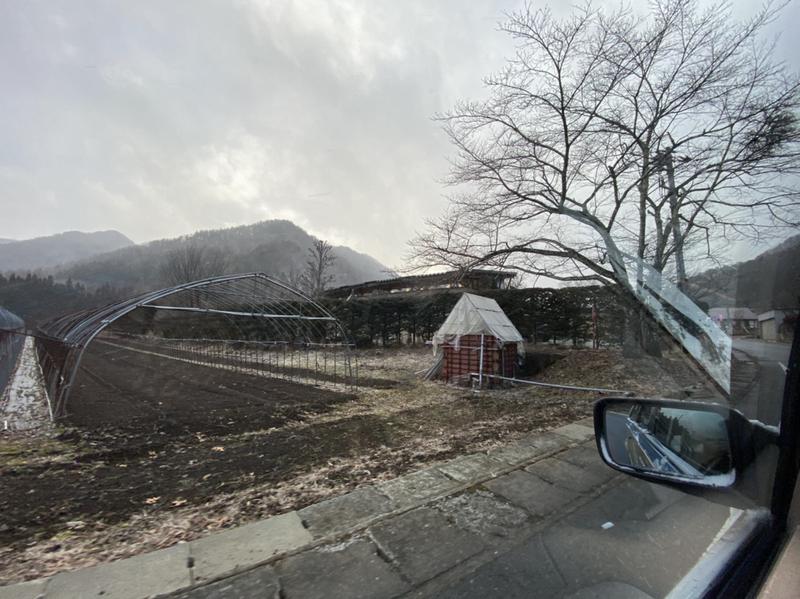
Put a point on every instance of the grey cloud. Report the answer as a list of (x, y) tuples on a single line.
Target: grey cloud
[(159, 118)]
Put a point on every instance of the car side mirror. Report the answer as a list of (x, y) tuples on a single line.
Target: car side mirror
[(685, 443)]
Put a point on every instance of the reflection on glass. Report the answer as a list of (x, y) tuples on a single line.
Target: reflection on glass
[(685, 442)]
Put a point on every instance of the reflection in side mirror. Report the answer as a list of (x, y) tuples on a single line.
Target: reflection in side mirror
[(667, 440)]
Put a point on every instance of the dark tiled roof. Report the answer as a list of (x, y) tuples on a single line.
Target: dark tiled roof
[(451, 278)]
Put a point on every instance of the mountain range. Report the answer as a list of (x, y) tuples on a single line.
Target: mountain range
[(276, 247), (108, 260), (53, 250)]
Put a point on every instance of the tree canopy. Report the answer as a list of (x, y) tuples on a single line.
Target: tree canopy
[(660, 137)]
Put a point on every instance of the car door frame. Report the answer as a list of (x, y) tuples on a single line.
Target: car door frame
[(747, 571)]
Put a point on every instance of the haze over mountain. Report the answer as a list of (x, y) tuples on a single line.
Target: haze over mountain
[(52, 250), (769, 281), (275, 247)]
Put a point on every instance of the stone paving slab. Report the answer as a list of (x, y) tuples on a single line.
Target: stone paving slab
[(585, 456), (353, 570), (565, 474), (247, 545), (424, 543), (510, 577), (632, 501), (152, 573), (31, 589), (472, 468), (260, 583), (537, 496), (575, 431), (546, 442), (484, 514), (518, 453), (345, 512), (417, 487), (611, 588), (587, 555)]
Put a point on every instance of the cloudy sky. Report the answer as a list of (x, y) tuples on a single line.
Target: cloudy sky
[(161, 118)]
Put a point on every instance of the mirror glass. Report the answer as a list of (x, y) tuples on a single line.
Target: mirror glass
[(682, 442)]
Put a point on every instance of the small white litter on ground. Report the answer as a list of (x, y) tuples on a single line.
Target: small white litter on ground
[(24, 403), (607, 525)]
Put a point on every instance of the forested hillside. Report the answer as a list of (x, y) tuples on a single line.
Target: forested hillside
[(278, 248), (768, 281), (44, 252), (36, 299)]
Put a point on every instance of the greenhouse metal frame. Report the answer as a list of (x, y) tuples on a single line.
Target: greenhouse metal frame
[(249, 323), (12, 338)]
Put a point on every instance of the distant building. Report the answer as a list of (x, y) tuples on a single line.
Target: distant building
[(476, 279), (735, 321), (777, 325)]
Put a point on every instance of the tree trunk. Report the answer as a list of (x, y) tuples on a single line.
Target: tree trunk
[(640, 334), (677, 234)]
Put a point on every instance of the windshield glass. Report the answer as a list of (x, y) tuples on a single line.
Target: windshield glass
[(315, 299)]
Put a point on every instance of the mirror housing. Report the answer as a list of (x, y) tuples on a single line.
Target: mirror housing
[(682, 443)]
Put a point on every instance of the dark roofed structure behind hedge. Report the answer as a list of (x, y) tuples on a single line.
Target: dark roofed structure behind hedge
[(476, 279)]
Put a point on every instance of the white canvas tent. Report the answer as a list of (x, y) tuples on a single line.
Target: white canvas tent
[(481, 317), (477, 315)]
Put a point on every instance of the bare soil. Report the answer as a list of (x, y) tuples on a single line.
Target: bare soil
[(158, 450)]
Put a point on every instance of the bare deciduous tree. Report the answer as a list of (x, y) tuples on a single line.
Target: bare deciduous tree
[(294, 278), (191, 263), (318, 271), (611, 133)]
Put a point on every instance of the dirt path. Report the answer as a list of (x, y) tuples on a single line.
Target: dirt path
[(24, 402)]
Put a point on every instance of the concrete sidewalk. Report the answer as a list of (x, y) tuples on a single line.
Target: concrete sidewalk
[(298, 540), (542, 511)]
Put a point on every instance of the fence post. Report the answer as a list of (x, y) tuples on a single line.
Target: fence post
[(480, 366)]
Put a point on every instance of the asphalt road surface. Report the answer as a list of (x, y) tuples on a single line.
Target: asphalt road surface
[(759, 393), (616, 433), (762, 350)]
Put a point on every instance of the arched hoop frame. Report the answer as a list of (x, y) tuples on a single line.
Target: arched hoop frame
[(243, 313)]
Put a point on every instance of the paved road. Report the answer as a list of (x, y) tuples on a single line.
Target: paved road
[(771, 352), (616, 433), (556, 528), (758, 389)]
